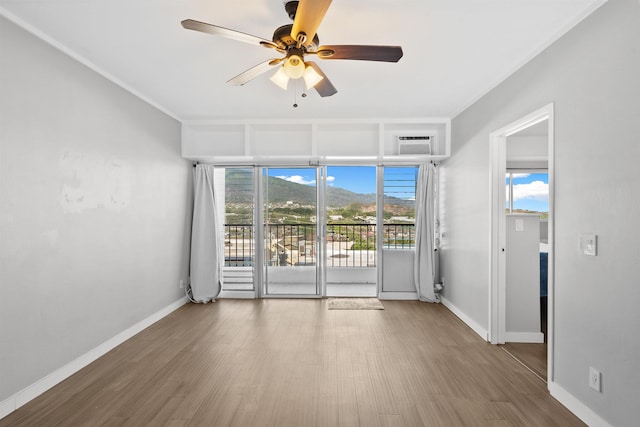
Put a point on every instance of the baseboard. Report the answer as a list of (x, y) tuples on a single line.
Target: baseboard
[(525, 337), (7, 406), (237, 295), (398, 295), (36, 389), (579, 409), (477, 328)]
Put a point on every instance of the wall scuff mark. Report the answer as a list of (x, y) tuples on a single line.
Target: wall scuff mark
[(91, 181)]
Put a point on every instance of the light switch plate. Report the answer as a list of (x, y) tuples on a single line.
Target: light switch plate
[(519, 224), (589, 244)]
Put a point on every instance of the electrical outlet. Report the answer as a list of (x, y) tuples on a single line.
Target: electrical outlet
[(594, 379), (181, 283)]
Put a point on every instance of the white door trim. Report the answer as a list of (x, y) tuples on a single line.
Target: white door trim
[(497, 270)]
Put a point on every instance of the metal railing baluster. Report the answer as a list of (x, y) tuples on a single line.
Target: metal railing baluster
[(348, 245)]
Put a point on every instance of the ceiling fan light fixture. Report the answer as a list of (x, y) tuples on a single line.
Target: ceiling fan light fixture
[(295, 41), (294, 67), (281, 78), (311, 77)]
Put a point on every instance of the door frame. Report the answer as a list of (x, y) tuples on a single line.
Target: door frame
[(322, 216), (497, 271), (261, 198), (259, 277)]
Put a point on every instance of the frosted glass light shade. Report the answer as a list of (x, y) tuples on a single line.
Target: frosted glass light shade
[(281, 78), (294, 67), (311, 77)]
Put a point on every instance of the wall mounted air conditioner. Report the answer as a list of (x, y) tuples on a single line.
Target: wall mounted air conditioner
[(414, 145)]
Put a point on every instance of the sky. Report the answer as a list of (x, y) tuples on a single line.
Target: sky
[(359, 179), (530, 191)]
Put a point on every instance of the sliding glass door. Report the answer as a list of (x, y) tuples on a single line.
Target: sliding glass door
[(238, 274), (290, 214), (351, 223), (316, 231)]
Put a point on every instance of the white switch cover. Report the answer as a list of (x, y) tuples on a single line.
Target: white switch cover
[(589, 244), (595, 379), (519, 224)]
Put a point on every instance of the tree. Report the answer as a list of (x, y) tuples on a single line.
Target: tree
[(353, 209)]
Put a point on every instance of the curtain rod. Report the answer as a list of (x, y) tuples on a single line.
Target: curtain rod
[(314, 163)]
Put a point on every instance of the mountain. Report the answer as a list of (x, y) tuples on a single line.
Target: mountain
[(239, 182)]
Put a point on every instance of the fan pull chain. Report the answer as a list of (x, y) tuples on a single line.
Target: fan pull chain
[(295, 94)]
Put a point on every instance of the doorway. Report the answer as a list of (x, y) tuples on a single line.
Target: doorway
[(290, 229), (502, 234), (527, 250), (350, 249), (318, 231)]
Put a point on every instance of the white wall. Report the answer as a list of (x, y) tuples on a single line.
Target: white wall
[(522, 283), (591, 74), (94, 210)]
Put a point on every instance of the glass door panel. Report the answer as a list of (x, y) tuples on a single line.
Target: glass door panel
[(290, 231), (350, 254), (239, 251)]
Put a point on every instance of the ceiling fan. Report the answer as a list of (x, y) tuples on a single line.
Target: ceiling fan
[(295, 41)]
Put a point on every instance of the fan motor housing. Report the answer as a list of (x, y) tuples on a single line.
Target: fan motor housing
[(282, 38), (291, 7)]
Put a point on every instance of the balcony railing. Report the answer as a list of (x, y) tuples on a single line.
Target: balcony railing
[(347, 245)]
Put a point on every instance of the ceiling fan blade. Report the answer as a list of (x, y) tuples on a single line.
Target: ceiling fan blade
[(361, 52), (309, 15), (252, 73), (324, 86), (203, 27)]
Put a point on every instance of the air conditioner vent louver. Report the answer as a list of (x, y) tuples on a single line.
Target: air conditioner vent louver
[(414, 144)]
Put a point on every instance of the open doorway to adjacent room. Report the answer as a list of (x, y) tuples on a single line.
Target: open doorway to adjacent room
[(522, 243), (527, 211)]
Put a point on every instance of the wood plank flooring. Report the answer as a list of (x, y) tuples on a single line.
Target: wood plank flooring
[(275, 362), (533, 356)]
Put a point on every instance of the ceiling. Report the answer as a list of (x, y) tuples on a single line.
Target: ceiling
[(454, 51)]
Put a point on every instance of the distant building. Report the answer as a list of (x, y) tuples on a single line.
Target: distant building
[(402, 219)]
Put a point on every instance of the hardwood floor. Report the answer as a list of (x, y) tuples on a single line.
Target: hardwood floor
[(294, 363), (533, 356)]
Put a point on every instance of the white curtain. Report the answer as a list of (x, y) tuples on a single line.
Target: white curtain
[(424, 264), (207, 250)]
